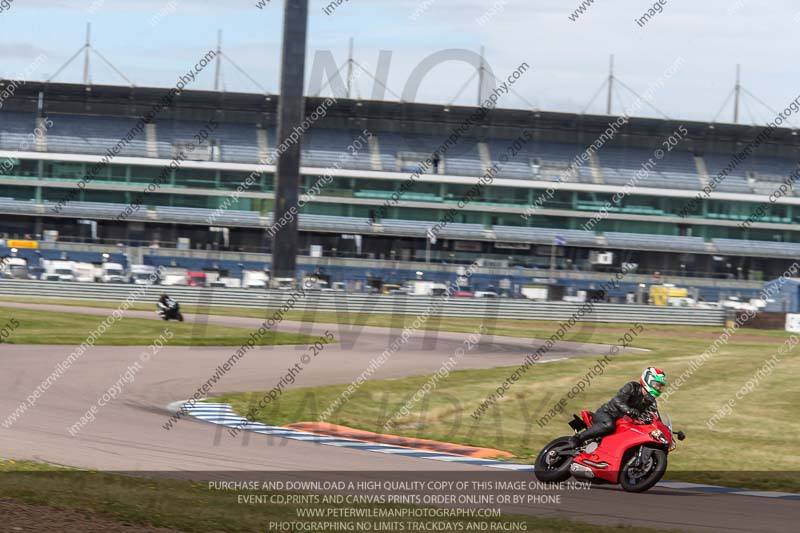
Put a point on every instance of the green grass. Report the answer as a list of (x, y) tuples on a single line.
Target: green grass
[(186, 505), (47, 327), (588, 332), (749, 448), (757, 437)]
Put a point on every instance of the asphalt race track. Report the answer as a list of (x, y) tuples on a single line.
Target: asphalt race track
[(128, 434)]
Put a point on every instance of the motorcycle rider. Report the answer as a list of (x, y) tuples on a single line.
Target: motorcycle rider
[(636, 399), (164, 302)]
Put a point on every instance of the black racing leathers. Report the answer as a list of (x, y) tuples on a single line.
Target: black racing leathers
[(630, 401)]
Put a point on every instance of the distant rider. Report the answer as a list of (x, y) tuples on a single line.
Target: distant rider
[(636, 399), (165, 302)]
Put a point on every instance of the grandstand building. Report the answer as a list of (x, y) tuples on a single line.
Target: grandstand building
[(517, 188)]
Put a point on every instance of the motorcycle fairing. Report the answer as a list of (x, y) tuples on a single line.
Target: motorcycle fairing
[(606, 460)]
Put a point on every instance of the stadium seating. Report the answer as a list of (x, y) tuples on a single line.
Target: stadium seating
[(191, 215), (655, 242), (329, 223), (539, 161), (403, 152), (461, 159), (545, 235), (236, 142), (736, 180), (458, 230), (16, 130), (202, 216), (759, 248), (676, 170), (412, 228), (323, 147), (769, 168), (398, 152), (94, 209), (327, 148), (765, 174), (10, 205), (93, 135)]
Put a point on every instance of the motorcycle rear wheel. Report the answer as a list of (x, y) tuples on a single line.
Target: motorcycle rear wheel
[(555, 471), (653, 475)]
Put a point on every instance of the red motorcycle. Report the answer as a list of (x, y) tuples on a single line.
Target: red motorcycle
[(634, 456)]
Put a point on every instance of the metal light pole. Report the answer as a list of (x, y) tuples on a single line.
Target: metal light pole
[(291, 111)]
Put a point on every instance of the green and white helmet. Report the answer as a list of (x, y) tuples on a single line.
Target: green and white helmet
[(653, 380)]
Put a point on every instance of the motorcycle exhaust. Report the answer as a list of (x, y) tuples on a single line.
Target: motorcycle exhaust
[(578, 470), (601, 464)]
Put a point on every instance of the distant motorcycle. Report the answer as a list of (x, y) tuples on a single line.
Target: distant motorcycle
[(171, 311), (634, 456)]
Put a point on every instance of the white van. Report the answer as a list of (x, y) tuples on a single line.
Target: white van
[(59, 271)]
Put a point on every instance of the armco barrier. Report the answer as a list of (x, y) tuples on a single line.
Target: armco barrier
[(343, 303)]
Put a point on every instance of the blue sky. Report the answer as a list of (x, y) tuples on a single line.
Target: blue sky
[(568, 59)]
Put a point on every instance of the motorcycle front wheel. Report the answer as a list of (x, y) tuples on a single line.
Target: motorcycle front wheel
[(640, 477), (180, 317), (552, 465)]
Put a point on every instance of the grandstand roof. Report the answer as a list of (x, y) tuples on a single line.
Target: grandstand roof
[(389, 116)]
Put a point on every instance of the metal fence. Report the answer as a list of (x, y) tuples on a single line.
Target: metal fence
[(344, 303)]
